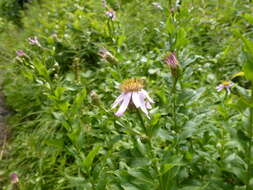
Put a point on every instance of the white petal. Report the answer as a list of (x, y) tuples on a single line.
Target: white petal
[(231, 84), (136, 99), (228, 90), (118, 100), (143, 104), (219, 88), (144, 92), (148, 105), (124, 104)]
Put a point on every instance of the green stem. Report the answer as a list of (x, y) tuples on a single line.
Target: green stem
[(109, 28), (174, 91), (142, 122), (222, 129), (170, 4), (152, 154), (250, 134)]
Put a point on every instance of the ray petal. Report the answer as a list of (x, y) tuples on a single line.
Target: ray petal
[(124, 104), (118, 100)]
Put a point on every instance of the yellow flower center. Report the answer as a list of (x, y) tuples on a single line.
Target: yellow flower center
[(131, 85), (226, 83)]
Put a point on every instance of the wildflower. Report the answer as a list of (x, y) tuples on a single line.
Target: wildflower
[(157, 5), (133, 93), (104, 3), (111, 14), (173, 63), (20, 53), (14, 178), (225, 85), (106, 55), (34, 41)]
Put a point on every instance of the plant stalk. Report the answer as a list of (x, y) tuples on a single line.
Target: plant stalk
[(250, 135), (174, 114), (152, 154)]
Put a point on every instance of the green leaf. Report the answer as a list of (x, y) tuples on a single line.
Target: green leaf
[(170, 26), (188, 130), (194, 187), (141, 147), (89, 159), (248, 51), (129, 186), (181, 39), (249, 18), (141, 175), (59, 92), (167, 167)]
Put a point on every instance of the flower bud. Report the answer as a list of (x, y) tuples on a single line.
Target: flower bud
[(14, 178), (172, 62)]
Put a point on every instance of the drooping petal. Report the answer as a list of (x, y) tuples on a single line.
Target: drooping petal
[(124, 104), (118, 100), (143, 103), (219, 88), (144, 92), (228, 89), (148, 105), (230, 85), (136, 99)]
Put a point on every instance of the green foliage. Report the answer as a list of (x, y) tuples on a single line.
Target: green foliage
[(12, 10)]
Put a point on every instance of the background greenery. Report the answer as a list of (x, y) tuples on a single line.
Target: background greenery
[(64, 133)]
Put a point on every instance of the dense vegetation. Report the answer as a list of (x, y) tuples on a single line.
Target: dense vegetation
[(63, 62)]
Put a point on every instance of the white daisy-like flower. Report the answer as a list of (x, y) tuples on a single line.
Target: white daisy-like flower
[(20, 53), (104, 53), (34, 41), (133, 93), (111, 14), (157, 5), (225, 85)]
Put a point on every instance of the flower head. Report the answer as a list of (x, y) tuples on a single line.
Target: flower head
[(34, 41), (133, 93), (225, 85), (172, 62), (20, 53), (14, 178), (106, 55), (111, 14)]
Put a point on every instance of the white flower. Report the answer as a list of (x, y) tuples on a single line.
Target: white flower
[(133, 93), (225, 85), (111, 14), (157, 5), (34, 41)]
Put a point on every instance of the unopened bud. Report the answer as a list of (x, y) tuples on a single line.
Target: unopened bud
[(14, 178), (106, 55), (94, 96), (172, 62)]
